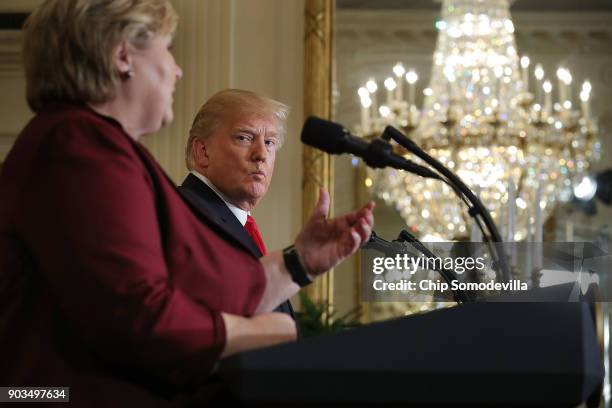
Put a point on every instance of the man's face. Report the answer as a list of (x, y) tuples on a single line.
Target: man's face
[(238, 158)]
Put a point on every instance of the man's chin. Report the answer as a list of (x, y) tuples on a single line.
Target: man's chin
[(256, 192)]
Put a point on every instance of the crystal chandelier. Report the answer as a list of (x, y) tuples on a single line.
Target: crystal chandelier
[(479, 118)]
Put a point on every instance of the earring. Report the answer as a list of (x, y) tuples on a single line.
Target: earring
[(126, 75)]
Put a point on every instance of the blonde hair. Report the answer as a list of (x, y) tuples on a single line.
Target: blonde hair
[(230, 102), (68, 46)]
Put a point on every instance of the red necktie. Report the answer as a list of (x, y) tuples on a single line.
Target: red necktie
[(253, 231)]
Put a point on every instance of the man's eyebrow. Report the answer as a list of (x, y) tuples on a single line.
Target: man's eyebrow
[(254, 131), (245, 129)]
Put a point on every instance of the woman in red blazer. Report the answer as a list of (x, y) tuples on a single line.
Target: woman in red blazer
[(109, 282)]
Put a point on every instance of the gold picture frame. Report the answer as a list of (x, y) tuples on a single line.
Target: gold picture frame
[(317, 170)]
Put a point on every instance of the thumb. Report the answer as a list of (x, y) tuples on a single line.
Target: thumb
[(322, 207)]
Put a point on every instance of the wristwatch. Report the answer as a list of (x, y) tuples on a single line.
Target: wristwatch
[(294, 266)]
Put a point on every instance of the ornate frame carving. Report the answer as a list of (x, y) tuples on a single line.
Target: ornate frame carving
[(317, 171)]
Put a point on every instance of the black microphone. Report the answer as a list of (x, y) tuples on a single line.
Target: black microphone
[(333, 138), (389, 248), (393, 248)]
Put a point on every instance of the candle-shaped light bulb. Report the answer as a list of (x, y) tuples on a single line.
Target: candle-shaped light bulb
[(525, 71), (568, 77), (539, 75), (363, 93), (371, 86), (585, 105), (384, 111), (524, 61), (567, 80), (539, 72), (366, 102), (399, 70), (390, 84), (547, 86), (411, 78), (585, 96), (561, 76), (586, 87)]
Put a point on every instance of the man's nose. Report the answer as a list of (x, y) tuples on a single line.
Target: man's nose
[(259, 151)]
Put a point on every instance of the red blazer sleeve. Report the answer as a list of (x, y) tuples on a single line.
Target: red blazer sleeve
[(93, 226)]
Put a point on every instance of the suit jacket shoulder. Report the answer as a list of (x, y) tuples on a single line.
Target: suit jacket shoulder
[(207, 201)]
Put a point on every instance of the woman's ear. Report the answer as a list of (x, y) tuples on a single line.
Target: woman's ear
[(123, 60)]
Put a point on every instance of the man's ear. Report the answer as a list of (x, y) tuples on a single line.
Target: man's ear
[(200, 153), (123, 60)]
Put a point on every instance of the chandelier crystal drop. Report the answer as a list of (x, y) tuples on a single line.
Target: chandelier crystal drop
[(480, 119)]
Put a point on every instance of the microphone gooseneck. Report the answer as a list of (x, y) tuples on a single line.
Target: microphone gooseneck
[(477, 207)]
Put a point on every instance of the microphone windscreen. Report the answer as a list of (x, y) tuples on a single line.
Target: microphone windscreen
[(324, 135)]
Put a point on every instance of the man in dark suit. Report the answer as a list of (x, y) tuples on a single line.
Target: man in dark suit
[(230, 154)]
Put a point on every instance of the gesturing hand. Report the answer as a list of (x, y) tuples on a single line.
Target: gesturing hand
[(323, 242)]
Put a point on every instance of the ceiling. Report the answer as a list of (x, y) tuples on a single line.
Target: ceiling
[(518, 5)]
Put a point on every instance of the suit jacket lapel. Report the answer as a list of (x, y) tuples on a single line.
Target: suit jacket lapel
[(214, 208), (207, 201)]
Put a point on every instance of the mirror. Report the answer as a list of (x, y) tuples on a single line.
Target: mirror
[(371, 36), (370, 39)]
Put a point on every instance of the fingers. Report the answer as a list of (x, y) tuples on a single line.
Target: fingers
[(363, 229), (370, 205), (355, 241), (321, 209), (366, 211), (358, 235), (364, 222), (368, 215)]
